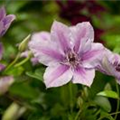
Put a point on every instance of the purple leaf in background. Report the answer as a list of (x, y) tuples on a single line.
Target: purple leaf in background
[(69, 53)]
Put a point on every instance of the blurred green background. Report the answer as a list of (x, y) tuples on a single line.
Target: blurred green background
[(27, 98)]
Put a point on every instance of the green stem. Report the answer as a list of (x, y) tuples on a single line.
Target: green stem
[(22, 62), (114, 113), (118, 102), (15, 60), (78, 114), (71, 97)]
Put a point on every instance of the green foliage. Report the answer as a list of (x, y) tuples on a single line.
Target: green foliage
[(28, 92)]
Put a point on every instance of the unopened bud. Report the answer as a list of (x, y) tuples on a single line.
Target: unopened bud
[(24, 43)]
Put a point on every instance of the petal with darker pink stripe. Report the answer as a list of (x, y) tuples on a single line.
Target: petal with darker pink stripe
[(57, 76)]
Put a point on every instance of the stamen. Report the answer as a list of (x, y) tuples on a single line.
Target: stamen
[(72, 59), (118, 67)]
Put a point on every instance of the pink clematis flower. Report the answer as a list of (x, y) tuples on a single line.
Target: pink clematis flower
[(110, 64), (5, 21), (69, 53), (36, 36), (5, 81)]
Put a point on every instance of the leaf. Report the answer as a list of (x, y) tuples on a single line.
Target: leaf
[(109, 93), (15, 71), (103, 103), (38, 74), (23, 90)]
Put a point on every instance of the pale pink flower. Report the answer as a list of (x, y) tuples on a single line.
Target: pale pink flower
[(69, 53), (110, 64), (5, 83)]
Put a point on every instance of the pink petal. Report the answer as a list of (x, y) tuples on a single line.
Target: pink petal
[(2, 67), (83, 34), (60, 33), (5, 23), (2, 28), (2, 13), (83, 76), (93, 55), (34, 61), (57, 75), (41, 36), (8, 19), (45, 51), (5, 83)]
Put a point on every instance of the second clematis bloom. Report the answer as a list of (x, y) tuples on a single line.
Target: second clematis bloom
[(69, 53), (5, 21), (110, 64)]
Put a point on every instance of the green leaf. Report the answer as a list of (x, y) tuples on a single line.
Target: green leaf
[(15, 71), (103, 103), (38, 74), (109, 93), (23, 90)]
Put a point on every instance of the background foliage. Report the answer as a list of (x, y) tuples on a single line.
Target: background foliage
[(27, 98)]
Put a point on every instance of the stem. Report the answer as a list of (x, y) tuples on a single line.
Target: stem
[(71, 97), (114, 113), (22, 62), (118, 102), (15, 60), (78, 114)]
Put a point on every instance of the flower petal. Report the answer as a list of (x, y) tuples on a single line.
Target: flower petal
[(5, 23), (45, 51), (83, 76), (57, 76), (8, 19), (83, 33), (2, 13), (60, 33), (5, 83), (109, 63), (2, 67), (93, 55), (41, 36)]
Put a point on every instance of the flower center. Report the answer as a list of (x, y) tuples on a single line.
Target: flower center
[(117, 66), (72, 59)]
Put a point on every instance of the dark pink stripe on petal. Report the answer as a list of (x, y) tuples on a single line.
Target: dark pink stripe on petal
[(95, 52), (8, 19), (51, 53), (2, 13), (83, 76), (57, 75), (60, 33), (79, 37)]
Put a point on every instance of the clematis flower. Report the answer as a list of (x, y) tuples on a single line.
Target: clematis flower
[(69, 53), (5, 83), (110, 64), (36, 36), (5, 21)]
